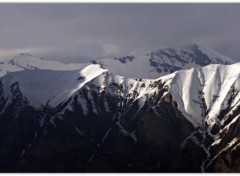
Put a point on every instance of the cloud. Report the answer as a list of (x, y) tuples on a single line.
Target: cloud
[(101, 30), (110, 50)]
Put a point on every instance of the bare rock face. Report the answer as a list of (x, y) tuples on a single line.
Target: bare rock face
[(225, 152), (109, 139), (149, 139)]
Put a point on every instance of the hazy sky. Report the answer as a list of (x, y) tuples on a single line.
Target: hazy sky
[(79, 31)]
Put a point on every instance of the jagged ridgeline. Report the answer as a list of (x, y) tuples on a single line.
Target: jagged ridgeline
[(87, 118)]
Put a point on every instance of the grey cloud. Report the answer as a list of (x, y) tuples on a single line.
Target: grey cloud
[(101, 30)]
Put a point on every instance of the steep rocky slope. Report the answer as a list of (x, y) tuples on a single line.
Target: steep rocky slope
[(94, 121)]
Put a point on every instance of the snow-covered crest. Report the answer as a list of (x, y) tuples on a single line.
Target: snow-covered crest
[(42, 86), (54, 87), (202, 93)]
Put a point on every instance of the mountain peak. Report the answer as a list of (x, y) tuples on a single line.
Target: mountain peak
[(186, 56), (165, 61)]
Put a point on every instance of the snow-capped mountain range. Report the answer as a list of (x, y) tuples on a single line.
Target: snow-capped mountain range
[(89, 118), (164, 61), (151, 65)]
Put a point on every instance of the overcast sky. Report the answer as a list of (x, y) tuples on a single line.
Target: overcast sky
[(80, 31)]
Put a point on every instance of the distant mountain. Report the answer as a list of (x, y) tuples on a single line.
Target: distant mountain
[(25, 61), (164, 61), (152, 65), (91, 120)]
